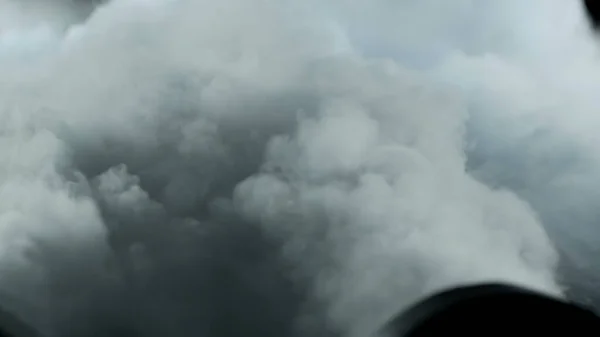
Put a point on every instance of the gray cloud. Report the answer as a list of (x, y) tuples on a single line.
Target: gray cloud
[(191, 168)]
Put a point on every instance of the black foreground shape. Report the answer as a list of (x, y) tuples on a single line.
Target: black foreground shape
[(497, 309), (592, 8)]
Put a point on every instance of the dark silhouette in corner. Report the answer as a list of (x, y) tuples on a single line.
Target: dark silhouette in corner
[(592, 8), (501, 309)]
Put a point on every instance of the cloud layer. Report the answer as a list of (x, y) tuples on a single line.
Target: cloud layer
[(273, 168)]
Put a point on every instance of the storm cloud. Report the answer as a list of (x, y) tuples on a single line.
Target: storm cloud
[(275, 168)]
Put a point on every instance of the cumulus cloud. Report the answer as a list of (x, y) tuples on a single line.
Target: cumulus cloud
[(270, 168), (57, 13)]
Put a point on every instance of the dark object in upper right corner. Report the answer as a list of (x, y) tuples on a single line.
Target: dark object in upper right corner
[(592, 8)]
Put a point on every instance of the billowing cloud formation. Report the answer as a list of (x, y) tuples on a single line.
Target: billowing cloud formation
[(188, 168), (56, 13)]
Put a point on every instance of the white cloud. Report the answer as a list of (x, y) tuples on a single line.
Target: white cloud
[(150, 142)]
